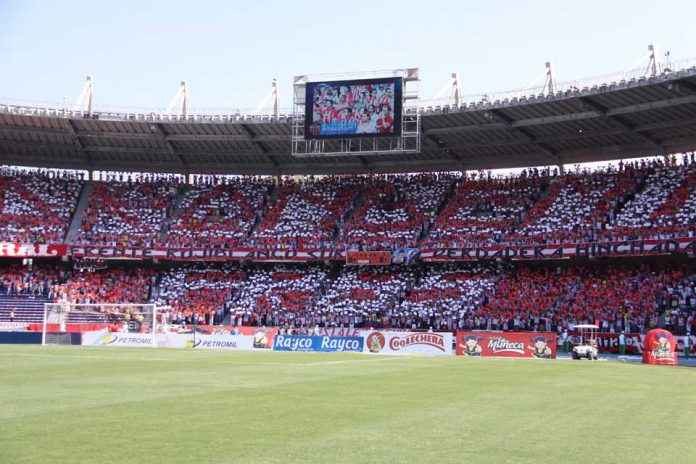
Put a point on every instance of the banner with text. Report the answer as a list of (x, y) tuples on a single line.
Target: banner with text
[(206, 342), (105, 338), (169, 340), (516, 252), (408, 342), (207, 254), (20, 250), (263, 336), (562, 251), (507, 344), (634, 342), (14, 326), (317, 343)]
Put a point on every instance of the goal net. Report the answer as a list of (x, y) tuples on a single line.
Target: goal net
[(100, 324)]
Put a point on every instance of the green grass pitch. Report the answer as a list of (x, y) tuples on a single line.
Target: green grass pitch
[(103, 405)]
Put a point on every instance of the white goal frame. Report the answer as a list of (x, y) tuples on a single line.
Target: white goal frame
[(64, 308)]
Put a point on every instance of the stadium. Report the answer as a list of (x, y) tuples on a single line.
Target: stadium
[(368, 275)]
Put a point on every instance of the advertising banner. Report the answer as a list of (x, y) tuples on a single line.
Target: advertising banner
[(170, 340), (659, 348), (207, 342), (408, 342), (14, 326), (104, 338), (317, 343), (263, 336), (609, 342), (507, 344)]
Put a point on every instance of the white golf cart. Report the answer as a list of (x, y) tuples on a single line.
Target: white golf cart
[(587, 345)]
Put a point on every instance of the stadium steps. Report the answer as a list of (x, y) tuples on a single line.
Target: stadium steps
[(78, 215), (271, 200), (173, 212), (445, 199), (349, 217), (26, 308), (630, 197)]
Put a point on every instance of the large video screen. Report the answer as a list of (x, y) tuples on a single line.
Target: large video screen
[(359, 108)]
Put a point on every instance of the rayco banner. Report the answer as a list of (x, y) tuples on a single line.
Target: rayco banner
[(317, 343), (507, 344), (408, 342)]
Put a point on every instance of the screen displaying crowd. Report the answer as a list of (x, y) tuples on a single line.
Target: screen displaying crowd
[(352, 108)]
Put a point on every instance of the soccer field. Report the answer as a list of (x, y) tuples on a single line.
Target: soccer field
[(101, 405)]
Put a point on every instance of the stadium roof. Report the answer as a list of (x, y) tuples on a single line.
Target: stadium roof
[(619, 119)]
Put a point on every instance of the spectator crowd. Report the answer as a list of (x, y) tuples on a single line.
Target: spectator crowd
[(488, 296)]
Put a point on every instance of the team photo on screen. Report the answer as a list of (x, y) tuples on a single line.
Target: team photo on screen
[(353, 108)]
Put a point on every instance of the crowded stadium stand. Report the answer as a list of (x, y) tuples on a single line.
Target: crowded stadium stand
[(308, 212), (396, 211), (218, 215), (280, 296), (127, 213), (273, 232), (195, 294), (36, 207)]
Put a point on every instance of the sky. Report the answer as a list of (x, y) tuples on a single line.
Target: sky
[(230, 51)]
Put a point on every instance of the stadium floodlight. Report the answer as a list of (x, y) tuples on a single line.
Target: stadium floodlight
[(653, 68), (455, 97), (180, 99), (549, 86), (86, 94), (123, 324), (275, 95)]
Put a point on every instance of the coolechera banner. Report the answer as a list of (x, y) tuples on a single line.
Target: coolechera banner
[(408, 342), (507, 344)]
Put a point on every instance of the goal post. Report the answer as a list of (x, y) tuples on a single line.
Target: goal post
[(96, 323)]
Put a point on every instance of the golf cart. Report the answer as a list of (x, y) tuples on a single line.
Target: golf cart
[(586, 347)]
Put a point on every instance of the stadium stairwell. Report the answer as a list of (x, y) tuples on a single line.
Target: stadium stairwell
[(26, 308), (76, 221), (349, 217), (173, 212), (272, 199)]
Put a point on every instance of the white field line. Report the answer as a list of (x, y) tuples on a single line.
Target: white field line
[(80, 356), (259, 363)]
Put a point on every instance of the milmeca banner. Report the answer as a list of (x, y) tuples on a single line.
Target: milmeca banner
[(317, 343), (507, 344)]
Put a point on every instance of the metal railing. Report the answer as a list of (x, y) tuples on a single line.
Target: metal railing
[(565, 89)]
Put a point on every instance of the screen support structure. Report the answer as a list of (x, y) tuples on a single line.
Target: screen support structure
[(408, 142)]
